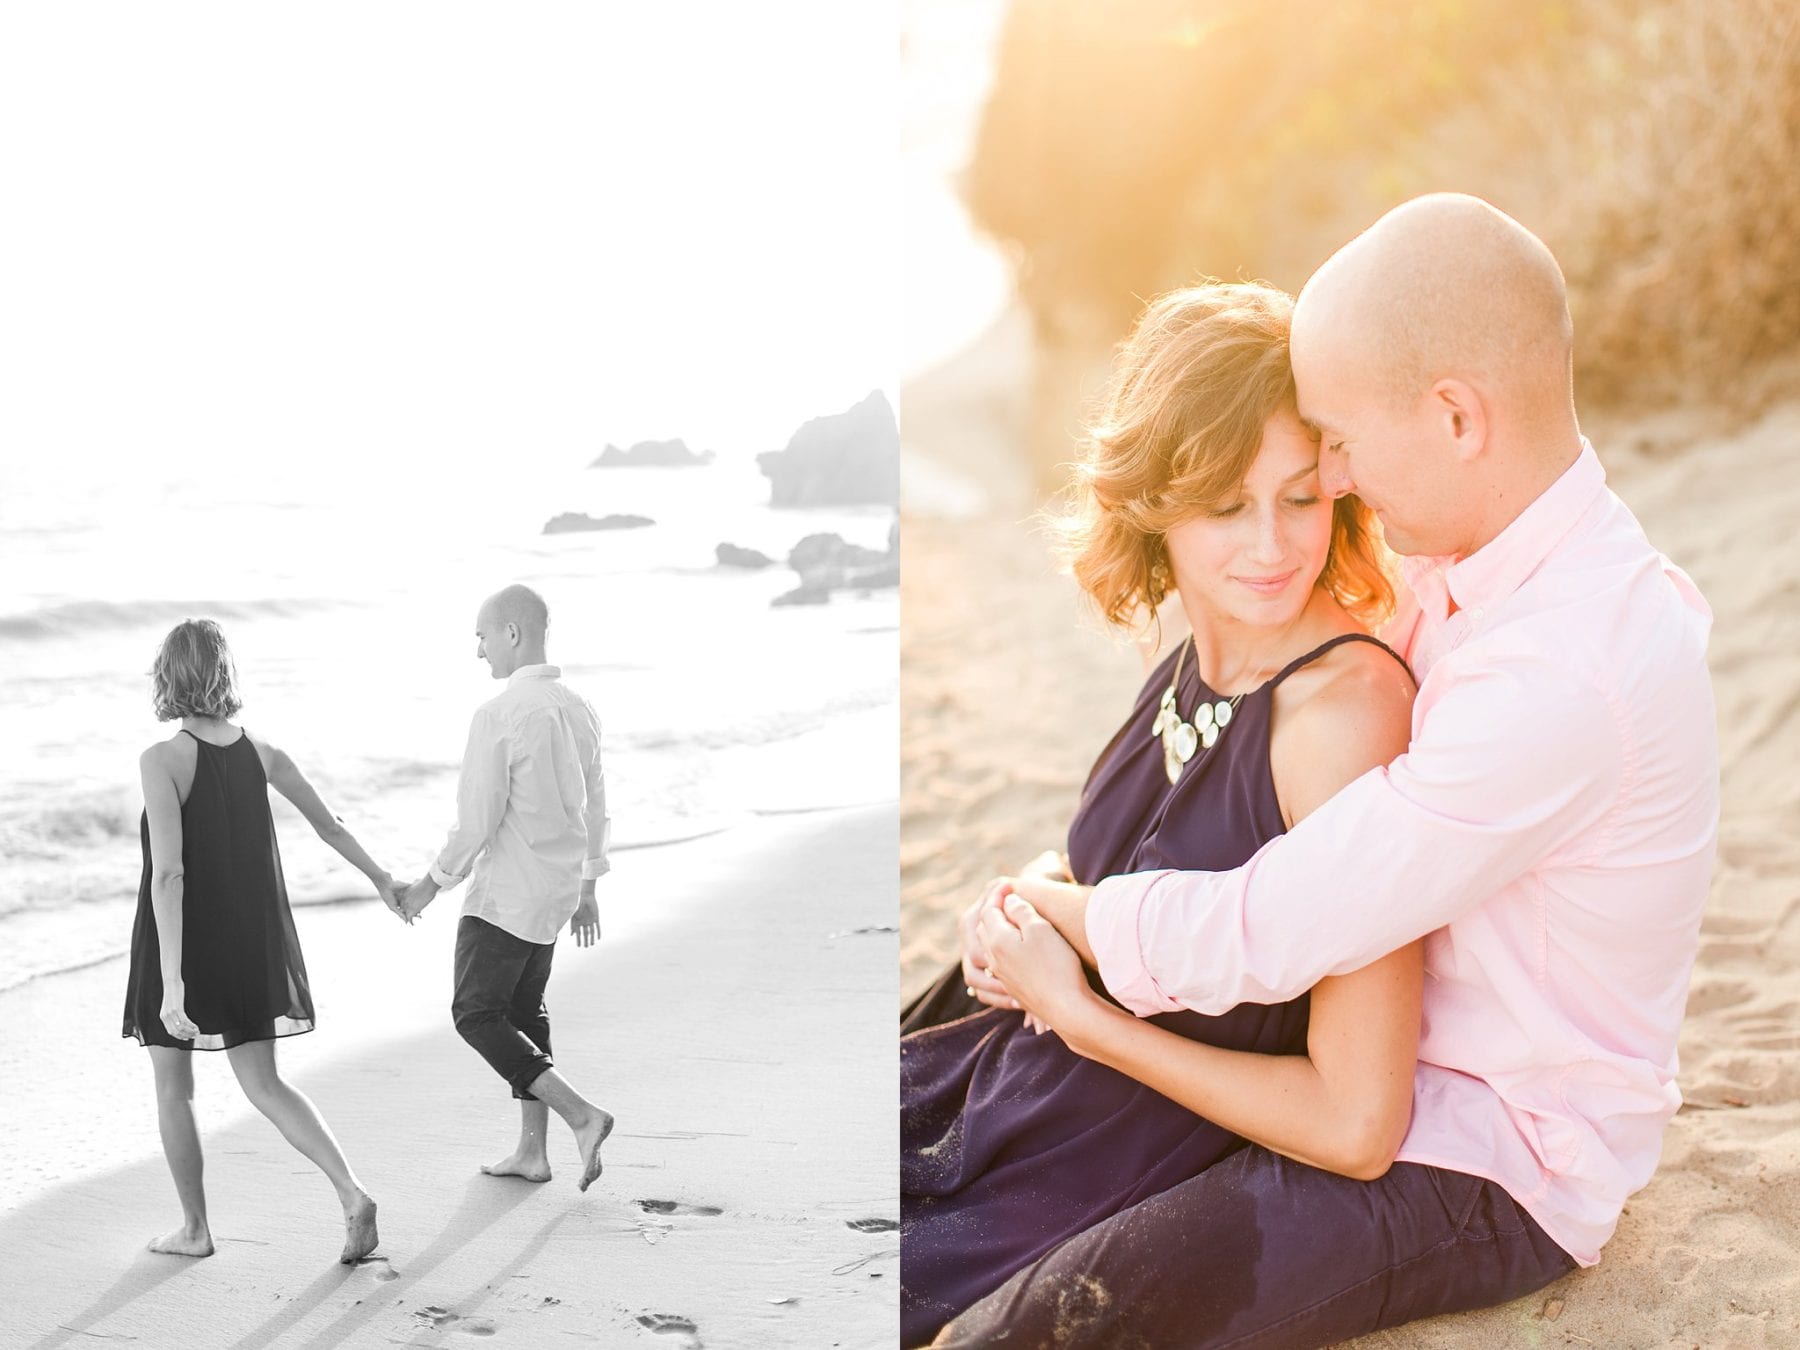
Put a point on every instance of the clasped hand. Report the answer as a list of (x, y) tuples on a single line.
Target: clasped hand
[(1013, 957), (405, 900)]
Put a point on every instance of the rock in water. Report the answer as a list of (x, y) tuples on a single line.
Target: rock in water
[(851, 458), (829, 552), (575, 522), (657, 454), (734, 555)]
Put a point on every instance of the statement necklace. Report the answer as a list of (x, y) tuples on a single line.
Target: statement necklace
[(1182, 740)]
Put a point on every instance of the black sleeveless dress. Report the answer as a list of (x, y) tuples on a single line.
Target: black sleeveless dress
[(240, 955), (1010, 1143)]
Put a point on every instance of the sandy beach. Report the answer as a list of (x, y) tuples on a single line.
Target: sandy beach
[(1012, 687), (732, 1018)]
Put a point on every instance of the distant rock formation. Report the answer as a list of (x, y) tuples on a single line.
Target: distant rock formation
[(574, 522), (851, 458), (734, 555), (826, 563), (656, 454), (829, 552)]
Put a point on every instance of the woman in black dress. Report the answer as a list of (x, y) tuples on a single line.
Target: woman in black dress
[(215, 961), (1200, 481)]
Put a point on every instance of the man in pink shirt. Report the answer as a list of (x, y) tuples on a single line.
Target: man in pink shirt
[(1551, 828)]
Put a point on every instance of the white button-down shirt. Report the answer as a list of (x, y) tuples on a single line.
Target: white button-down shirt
[(1551, 827), (531, 820)]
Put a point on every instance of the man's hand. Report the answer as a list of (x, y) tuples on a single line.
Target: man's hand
[(1064, 905), (585, 926), (418, 895)]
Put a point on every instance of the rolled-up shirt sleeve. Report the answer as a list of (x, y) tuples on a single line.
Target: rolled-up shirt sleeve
[(481, 793), (599, 824), (1513, 763)]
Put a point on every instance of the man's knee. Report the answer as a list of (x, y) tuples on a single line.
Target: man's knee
[(472, 1016)]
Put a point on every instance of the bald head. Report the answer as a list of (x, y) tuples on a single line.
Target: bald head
[(1443, 287), (509, 630), (522, 606)]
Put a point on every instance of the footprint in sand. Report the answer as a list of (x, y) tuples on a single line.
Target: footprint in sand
[(677, 1207), (443, 1318), (872, 1225), (668, 1324), (383, 1271)]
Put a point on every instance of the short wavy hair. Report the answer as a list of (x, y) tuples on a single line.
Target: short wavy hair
[(193, 674), (1193, 386)]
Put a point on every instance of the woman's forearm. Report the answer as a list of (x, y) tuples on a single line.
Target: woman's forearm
[(165, 905), (1279, 1101), (339, 837)]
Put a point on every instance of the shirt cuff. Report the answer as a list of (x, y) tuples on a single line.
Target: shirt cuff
[(1112, 932), (594, 868), (445, 880)]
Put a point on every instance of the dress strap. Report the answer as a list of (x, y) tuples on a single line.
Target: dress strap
[(1337, 641), (185, 732)]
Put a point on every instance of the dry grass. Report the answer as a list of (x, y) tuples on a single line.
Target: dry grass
[(1132, 146)]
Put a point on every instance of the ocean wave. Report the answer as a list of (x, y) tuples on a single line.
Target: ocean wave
[(749, 731), (76, 617)]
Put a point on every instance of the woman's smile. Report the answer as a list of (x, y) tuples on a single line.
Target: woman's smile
[(1268, 585)]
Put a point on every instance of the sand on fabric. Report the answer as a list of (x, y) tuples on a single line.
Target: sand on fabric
[(736, 1017), (1011, 688)]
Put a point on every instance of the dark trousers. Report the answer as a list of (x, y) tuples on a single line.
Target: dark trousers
[(1262, 1251), (499, 1001)]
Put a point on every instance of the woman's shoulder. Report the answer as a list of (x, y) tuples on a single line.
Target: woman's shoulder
[(1337, 717), (170, 753)]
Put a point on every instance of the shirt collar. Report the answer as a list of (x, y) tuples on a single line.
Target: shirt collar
[(538, 672), (1500, 566)]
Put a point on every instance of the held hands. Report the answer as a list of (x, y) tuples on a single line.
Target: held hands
[(416, 896), (1035, 964), (390, 892), (174, 1013), (1047, 866)]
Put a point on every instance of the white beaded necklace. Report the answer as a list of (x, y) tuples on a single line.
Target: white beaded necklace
[(1181, 740)]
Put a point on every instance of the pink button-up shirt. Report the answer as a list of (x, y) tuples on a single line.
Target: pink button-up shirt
[(1551, 827)]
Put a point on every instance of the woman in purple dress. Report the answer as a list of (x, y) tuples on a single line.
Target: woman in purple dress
[(1201, 482)]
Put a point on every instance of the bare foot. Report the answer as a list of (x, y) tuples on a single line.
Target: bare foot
[(185, 1241), (360, 1237), (588, 1139), (531, 1166)]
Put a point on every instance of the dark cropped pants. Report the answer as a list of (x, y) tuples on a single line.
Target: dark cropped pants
[(1262, 1251), (499, 1001)]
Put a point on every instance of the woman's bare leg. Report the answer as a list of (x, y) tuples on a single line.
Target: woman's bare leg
[(300, 1123), (181, 1146)]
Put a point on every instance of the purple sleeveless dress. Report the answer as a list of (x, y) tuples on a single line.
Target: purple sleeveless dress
[(1010, 1143)]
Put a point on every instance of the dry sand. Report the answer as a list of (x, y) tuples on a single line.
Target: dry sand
[(736, 1018), (1010, 689)]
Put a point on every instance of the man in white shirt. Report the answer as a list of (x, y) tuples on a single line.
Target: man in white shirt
[(531, 834)]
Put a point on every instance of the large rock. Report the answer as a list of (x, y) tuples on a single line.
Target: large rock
[(656, 454), (574, 522), (851, 458), (827, 563)]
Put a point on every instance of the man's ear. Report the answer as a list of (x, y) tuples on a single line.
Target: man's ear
[(513, 635), (1463, 414)]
